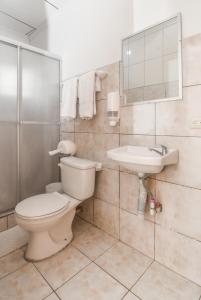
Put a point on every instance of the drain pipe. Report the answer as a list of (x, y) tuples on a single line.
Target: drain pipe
[(142, 194)]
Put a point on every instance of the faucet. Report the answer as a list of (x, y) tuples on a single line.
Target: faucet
[(163, 151)]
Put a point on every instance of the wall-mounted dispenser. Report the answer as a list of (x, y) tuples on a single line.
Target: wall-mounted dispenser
[(113, 104)]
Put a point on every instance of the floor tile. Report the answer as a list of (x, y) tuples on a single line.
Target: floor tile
[(161, 283), (24, 284), (92, 284), (79, 226), (54, 297), (62, 266), (11, 262), (130, 296), (93, 242), (124, 263)]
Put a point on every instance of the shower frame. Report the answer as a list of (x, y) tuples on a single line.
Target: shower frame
[(19, 46)]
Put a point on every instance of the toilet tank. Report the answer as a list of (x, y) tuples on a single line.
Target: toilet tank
[(78, 177)]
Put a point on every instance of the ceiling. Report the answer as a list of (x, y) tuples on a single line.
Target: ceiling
[(26, 15)]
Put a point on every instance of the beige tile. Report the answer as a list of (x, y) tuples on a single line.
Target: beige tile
[(62, 266), (53, 296), (87, 210), (175, 117), (137, 140), (93, 242), (130, 296), (3, 224), (67, 125), (11, 221), (179, 253), (192, 60), (124, 264), (138, 119), (137, 232), (80, 226), (111, 82), (92, 284), (11, 262), (159, 283), (107, 186), (129, 192), (95, 146), (67, 136), (24, 284), (106, 217), (181, 209), (187, 171)]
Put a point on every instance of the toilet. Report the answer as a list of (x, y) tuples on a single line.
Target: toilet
[(48, 217)]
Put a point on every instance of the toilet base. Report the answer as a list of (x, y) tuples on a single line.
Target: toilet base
[(45, 244)]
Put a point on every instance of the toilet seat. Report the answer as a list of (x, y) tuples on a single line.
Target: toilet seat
[(42, 205)]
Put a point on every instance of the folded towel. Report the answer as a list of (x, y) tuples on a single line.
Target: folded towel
[(88, 85), (69, 99)]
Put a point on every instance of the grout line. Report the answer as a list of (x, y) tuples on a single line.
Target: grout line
[(142, 276), (13, 271), (178, 184), (38, 271)]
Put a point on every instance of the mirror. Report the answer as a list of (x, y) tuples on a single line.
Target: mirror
[(151, 63)]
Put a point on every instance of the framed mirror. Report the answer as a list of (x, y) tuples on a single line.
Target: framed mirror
[(152, 63)]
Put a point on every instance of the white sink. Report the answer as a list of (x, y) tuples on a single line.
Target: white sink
[(143, 160)]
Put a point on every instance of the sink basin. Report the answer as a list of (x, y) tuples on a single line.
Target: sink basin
[(142, 160)]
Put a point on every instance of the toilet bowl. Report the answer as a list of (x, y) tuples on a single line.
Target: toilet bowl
[(48, 217)]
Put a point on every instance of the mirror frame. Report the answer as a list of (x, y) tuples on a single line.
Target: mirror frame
[(180, 95)]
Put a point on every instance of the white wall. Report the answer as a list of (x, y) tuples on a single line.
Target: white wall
[(148, 12), (87, 34)]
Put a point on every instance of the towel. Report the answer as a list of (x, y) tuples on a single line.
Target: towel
[(88, 85), (69, 99)]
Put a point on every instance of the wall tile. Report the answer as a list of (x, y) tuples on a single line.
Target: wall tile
[(111, 82), (3, 224), (95, 146), (107, 186), (11, 221), (138, 119), (181, 208), (137, 232), (179, 253), (192, 60), (175, 117), (87, 210), (129, 192), (187, 171), (67, 125), (106, 217), (67, 136)]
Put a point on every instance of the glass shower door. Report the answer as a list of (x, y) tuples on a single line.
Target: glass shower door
[(8, 127), (39, 130)]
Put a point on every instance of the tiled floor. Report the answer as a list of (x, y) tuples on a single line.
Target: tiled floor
[(94, 267)]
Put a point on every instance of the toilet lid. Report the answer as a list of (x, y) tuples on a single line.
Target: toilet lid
[(41, 205)]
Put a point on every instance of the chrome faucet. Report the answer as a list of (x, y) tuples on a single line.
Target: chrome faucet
[(164, 150)]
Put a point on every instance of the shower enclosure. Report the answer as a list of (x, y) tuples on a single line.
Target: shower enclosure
[(29, 121)]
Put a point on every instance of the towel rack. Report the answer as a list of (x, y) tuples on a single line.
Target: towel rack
[(101, 74)]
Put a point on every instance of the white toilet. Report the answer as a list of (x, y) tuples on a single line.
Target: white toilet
[(48, 217)]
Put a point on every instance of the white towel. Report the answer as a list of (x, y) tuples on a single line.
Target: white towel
[(88, 85), (69, 98)]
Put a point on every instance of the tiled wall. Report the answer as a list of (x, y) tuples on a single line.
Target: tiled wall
[(174, 237), (7, 222)]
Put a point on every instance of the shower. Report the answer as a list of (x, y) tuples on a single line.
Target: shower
[(29, 121)]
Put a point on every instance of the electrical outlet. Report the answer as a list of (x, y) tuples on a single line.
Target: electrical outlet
[(196, 123)]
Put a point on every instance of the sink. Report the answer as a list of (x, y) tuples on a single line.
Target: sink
[(142, 160)]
